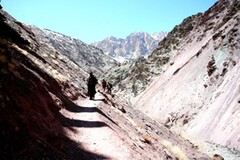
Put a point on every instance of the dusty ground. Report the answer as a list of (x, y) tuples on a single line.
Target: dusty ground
[(94, 134)]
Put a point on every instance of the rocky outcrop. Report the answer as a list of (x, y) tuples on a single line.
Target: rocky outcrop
[(136, 45)]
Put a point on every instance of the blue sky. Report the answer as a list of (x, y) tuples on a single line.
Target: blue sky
[(94, 20)]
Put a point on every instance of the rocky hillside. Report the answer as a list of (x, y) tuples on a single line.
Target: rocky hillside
[(87, 57), (139, 44), (44, 113), (197, 87)]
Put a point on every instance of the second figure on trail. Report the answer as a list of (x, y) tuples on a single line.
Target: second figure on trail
[(91, 83), (104, 84), (109, 88)]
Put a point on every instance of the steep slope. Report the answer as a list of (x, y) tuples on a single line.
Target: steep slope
[(87, 57), (139, 44), (198, 88), (44, 113)]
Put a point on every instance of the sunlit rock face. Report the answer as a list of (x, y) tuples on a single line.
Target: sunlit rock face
[(136, 45), (198, 82)]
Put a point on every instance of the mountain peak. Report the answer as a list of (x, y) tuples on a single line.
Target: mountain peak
[(112, 38), (135, 45)]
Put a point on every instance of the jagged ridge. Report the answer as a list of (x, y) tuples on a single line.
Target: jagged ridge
[(138, 44)]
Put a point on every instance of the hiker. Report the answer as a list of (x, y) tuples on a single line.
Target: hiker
[(104, 85), (109, 88), (91, 83)]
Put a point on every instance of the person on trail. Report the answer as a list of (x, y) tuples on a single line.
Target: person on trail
[(91, 83), (109, 88), (104, 85)]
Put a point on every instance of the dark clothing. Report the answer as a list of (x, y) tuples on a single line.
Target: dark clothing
[(104, 84), (91, 83)]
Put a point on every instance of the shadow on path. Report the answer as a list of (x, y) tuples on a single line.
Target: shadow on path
[(72, 107), (66, 122)]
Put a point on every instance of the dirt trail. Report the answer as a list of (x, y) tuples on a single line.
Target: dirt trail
[(92, 133), (108, 127)]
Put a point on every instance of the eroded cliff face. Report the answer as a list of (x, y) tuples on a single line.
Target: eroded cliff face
[(199, 87)]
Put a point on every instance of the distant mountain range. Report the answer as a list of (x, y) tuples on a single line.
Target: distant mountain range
[(138, 44)]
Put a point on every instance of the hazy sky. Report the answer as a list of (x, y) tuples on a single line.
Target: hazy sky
[(94, 20)]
